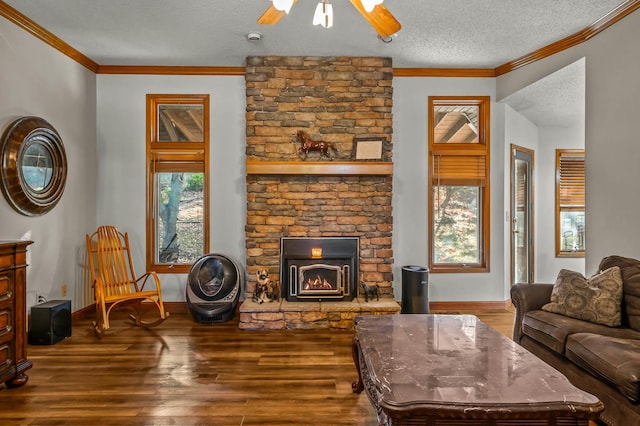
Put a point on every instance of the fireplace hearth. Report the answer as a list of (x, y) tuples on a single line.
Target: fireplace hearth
[(319, 269)]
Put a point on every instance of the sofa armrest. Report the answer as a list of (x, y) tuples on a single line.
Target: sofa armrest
[(528, 297)]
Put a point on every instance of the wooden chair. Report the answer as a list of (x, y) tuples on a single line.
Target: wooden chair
[(115, 282)]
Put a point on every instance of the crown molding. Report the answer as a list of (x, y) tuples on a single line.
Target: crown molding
[(597, 27), (33, 28), (168, 70), (444, 72), (591, 31)]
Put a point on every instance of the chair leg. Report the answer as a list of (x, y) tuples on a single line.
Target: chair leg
[(161, 312), (137, 312), (105, 315), (98, 324)]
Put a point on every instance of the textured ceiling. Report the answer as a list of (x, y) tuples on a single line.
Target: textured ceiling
[(557, 100), (435, 33)]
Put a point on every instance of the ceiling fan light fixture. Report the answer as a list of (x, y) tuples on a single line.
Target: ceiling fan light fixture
[(284, 5), (324, 14), (369, 5)]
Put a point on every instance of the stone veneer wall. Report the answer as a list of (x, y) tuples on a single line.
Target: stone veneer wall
[(334, 99)]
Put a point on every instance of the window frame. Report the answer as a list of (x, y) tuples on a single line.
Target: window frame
[(577, 183), (465, 151), (174, 156)]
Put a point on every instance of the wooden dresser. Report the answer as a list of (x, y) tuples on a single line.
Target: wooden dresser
[(13, 317)]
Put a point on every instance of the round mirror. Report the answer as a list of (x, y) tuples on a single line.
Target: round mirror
[(37, 166), (34, 166)]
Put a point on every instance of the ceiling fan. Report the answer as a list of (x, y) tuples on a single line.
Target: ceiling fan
[(378, 16)]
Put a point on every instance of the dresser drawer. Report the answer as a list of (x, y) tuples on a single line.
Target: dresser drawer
[(7, 261), (6, 286), (7, 328), (6, 357)]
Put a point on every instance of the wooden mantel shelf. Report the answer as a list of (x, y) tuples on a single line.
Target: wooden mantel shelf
[(328, 168)]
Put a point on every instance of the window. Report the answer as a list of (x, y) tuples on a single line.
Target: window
[(459, 184), (177, 181), (570, 226)]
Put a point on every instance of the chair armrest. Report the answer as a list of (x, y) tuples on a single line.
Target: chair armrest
[(525, 298), (145, 277)]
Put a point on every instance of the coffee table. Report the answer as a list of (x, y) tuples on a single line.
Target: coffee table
[(456, 370)]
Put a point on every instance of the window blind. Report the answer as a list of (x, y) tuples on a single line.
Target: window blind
[(469, 170), (571, 181)]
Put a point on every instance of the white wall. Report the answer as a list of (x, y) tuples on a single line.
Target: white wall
[(410, 151), (611, 135), (121, 148), (410, 181), (547, 264), (612, 143), (36, 79), (543, 141), (518, 130)]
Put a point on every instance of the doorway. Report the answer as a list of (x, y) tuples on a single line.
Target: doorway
[(521, 215)]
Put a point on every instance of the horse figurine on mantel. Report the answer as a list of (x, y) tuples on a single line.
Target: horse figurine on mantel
[(307, 144)]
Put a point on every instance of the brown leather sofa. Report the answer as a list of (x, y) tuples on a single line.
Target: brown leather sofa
[(601, 360)]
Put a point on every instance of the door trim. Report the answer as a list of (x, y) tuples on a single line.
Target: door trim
[(513, 149)]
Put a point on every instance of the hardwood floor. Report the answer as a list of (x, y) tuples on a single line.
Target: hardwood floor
[(184, 373)]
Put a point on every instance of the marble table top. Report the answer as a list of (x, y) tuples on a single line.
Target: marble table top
[(458, 361)]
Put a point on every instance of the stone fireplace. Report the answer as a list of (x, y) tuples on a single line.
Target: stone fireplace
[(337, 100)]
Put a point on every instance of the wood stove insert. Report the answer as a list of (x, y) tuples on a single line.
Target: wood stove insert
[(319, 269)]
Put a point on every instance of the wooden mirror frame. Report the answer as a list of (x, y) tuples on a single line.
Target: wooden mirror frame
[(20, 135)]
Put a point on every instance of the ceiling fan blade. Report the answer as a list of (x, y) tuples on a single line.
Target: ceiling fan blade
[(379, 18), (272, 15)]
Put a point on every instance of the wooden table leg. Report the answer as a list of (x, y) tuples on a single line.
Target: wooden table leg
[(357, 387)]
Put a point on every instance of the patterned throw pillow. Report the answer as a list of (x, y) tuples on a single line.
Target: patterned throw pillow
[(597, 299)]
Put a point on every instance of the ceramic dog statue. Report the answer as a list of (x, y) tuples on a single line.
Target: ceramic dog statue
[(266, 289), (370, 291)]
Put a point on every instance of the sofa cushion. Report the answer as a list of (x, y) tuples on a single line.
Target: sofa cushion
[(597, 299), (615, 361), (552, 330), (630, 269)]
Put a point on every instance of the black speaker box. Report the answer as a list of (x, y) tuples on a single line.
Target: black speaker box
[(50, 322)]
